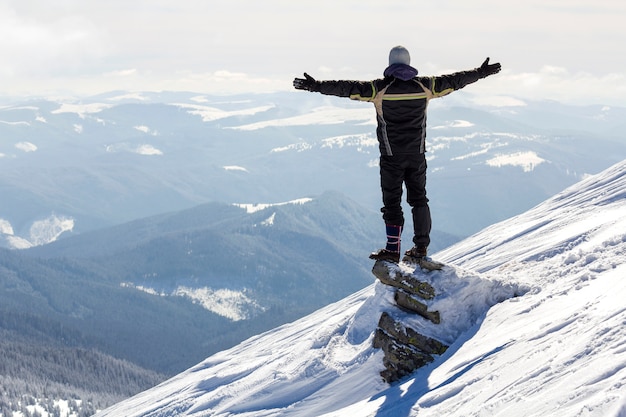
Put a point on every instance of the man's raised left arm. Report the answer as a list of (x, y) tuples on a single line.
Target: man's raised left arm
[(445, 84)]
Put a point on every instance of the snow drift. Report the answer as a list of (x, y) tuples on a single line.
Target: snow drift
[(557, 350)]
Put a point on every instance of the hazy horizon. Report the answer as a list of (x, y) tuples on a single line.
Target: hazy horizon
[(560, 50)]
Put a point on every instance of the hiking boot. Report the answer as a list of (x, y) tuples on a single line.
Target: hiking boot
[(417, 252), (385, 255)]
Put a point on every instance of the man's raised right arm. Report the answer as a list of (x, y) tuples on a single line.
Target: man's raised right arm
[(356, 90)]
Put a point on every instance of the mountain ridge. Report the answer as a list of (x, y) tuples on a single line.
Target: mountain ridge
[(208, 277)]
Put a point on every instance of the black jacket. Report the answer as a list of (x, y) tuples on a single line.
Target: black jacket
[(401, 99)]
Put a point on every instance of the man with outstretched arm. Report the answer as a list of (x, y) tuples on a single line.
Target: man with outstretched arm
[(401, 99)]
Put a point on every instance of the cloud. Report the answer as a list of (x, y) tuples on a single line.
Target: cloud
[(34, 44), (88, 47), (551, 83), (121, 73), (497, 101)]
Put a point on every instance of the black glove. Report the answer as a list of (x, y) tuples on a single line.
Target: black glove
[(487, 69), (307, 83)]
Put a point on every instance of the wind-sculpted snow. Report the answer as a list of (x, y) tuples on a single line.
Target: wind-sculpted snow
[(560, 228), (557, 350), (461, 297)]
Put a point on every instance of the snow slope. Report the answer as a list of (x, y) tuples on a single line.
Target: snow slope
[(558, 350)]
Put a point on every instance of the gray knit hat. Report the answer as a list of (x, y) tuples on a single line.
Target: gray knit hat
[(399, 55)]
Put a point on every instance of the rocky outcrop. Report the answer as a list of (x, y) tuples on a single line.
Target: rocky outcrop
[(408, 301), (429, 309), (405, 349), (389, 275)]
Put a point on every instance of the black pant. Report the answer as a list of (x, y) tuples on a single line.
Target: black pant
[(409, 169)]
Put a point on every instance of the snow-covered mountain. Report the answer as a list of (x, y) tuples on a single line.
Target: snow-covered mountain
[(145, 300), (557, 350), (69, 166), (235, 260), (225, 271)]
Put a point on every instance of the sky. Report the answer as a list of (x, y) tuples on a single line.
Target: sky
[(564, 50)]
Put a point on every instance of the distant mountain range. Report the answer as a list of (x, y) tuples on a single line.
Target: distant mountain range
[(87, 164), (223, 271)]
